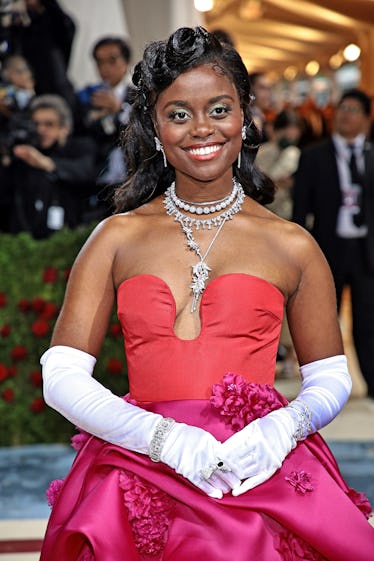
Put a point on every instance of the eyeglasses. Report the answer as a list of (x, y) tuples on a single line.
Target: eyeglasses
[(350, 109), (20, 69)]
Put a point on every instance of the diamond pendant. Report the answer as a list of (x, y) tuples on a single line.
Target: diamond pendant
[(200, 274)]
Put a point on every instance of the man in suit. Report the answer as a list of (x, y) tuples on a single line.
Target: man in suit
[(334, 189), (103, 108)]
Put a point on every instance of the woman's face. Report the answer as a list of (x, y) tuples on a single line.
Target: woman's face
[(198, 119)]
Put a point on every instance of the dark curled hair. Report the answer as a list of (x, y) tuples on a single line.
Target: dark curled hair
[(163, 62)]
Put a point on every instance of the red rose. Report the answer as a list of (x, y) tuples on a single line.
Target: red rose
[(3, 301), (38, 305), (12, 371), (19, 352), (37, 405), (115, 330), (36, 378), (8, 395), (50, 275), (24, 305), (3, 372), (67, 273), (5, 330), (40, 328), (49, 311), (114, 366)]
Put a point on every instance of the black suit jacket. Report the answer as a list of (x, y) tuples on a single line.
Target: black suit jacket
[(35, 190), (317, 192)]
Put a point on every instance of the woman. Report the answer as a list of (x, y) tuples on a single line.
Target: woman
[(203, 449)]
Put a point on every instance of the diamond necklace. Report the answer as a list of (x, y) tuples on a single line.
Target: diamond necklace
[(204, 223), (200, 271)]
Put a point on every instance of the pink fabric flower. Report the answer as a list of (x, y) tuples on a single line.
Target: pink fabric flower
[(300, 480), (54, 490), (361, 501), (241, 402), (294, 548), (148, 511), (79, 440)]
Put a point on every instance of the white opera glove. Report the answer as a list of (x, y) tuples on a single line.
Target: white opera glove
[(259, 449), (70, 389), (256, 452)]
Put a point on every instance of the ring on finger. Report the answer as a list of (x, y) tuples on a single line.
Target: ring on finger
[(221, 466)]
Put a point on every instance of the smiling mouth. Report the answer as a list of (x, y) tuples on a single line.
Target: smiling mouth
[(204, 151)]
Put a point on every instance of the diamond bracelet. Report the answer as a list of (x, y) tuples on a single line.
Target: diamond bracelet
[(304, 419), (159, 436)]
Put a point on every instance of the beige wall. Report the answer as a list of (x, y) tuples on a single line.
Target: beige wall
[(149, 20)]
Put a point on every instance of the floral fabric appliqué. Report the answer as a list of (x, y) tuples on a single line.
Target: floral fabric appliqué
[(293, 548), (54, 490), (361, 501), (149, 510), (241, 402), (301, 481)]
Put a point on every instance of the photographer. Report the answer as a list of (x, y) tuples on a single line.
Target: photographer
[(17, 88), (16, 93), (50, 180), (43, 33)]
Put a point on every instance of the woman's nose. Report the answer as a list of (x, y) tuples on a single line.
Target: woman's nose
[(202, 127)]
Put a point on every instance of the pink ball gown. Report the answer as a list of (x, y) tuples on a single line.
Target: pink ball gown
[(117, 505)]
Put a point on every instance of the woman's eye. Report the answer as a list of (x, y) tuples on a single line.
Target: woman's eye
[(220, 110), (179, 115)]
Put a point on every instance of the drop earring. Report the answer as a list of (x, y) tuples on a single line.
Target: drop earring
[(160, 148), (244, 136)]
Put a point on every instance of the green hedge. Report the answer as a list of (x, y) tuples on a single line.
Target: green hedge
[(33, 275)]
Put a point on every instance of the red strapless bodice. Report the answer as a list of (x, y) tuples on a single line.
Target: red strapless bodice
[(240, 315)]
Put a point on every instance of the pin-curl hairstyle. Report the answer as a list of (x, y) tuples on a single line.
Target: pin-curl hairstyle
[(163, 62)]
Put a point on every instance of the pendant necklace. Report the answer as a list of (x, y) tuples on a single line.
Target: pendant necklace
[(200, 271)]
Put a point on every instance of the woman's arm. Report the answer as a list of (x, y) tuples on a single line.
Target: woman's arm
[(312, 309), (90, 292), (259, 449)]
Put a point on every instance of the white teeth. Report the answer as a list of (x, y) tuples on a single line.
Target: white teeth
[(203, 151)]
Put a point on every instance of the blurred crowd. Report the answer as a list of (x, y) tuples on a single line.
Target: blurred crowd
[(60, 155)]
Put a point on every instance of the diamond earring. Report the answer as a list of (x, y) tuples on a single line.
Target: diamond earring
[(244, 136), (160, 148)]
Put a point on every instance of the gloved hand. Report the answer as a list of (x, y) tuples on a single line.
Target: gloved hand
[(189, 451), (70, 389), (256, 452)]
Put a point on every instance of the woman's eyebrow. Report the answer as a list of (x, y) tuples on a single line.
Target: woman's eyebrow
[(182, 103)]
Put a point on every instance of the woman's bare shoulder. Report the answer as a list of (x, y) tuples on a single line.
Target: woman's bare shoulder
[(287, 234), (117, 229)]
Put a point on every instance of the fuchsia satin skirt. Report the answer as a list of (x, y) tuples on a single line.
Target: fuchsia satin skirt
[(117, 505)]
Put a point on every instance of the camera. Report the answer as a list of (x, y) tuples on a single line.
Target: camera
[(19, 130)]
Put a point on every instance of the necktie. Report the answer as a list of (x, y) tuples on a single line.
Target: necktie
[(357, 179)]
